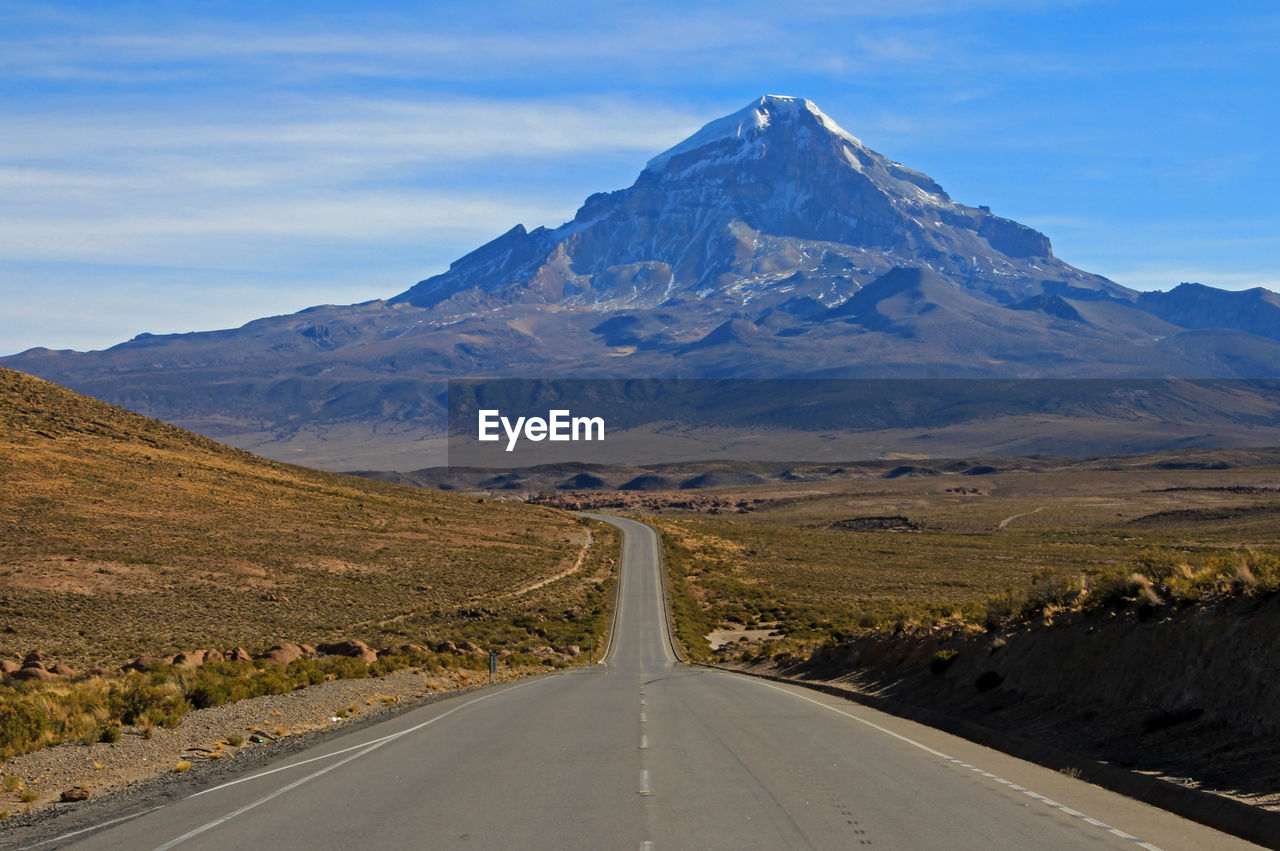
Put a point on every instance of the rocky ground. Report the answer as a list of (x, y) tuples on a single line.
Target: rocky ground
[(36, 781), (642, 502)]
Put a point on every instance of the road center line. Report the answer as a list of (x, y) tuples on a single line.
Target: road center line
[(1012, 786)]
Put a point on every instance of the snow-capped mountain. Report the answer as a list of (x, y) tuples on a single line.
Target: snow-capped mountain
[(773, 202), (771, 243)]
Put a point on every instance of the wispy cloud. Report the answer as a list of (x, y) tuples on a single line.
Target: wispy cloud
[(148, 187), (664, 39), (430, 127), (263, 227), (243, 142)]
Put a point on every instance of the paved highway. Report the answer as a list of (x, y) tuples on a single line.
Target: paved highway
[(642, 752)]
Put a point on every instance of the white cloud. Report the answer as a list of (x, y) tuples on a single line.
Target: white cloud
[(258, 229), (356, 131), (717, 40), (148, 188), (167, 216)]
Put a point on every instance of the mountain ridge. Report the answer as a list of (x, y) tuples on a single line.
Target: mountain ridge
[(770, 244)]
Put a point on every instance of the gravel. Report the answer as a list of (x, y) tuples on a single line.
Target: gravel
[(136, 771)]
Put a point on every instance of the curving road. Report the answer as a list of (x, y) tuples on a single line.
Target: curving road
[(643, 752)]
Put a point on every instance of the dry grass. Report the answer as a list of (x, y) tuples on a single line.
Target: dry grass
[(123, 536), (1008, 545)]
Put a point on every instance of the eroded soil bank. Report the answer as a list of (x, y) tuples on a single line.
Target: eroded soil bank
[(1193, 696)]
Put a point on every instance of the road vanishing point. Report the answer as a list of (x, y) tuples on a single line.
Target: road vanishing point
[(642, 751)]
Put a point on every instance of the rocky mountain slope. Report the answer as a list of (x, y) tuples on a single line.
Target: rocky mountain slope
[(774, 204), (771, 243)]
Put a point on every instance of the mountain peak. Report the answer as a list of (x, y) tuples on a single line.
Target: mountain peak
[(771, 203), (746, 127)]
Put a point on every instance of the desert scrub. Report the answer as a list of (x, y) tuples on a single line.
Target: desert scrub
[(942, 660), (571, 610), (39, 714), (1156, 580), (218, 548), (692, 619), (811, 585), (788, 566)]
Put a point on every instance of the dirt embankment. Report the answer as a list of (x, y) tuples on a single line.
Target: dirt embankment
[(1193, 697)]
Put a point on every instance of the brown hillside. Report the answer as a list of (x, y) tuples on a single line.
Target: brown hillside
[(122, 535)]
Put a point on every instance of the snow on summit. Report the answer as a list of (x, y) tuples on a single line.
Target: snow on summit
[(749, 124), (762, 207)]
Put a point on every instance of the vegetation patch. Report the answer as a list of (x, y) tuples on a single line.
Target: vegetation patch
[(812, 563), (129, 539)]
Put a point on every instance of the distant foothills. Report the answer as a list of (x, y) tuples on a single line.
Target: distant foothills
[(770, 244)]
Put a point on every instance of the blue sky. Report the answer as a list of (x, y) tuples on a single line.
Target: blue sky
[(174, 167)]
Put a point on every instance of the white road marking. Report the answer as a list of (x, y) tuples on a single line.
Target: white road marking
[(644, 782), (642, 718), (361, 750), (644, 742), (303, 762), (288, 767), (105, 824), (1013, 786)]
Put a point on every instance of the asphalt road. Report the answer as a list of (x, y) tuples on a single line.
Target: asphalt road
[(641, 751)]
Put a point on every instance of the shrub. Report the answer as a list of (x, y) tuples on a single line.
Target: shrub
[(942, 660), (140, 702), (22, 728), (110, 734), (345, 667)]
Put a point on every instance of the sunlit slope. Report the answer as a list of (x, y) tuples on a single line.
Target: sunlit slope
[(122, 535)]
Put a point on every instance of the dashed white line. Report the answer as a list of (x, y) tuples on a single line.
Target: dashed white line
[(644, 742), (644, 782), (1013, 786)]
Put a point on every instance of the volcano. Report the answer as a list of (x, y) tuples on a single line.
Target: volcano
[(770, 244)]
